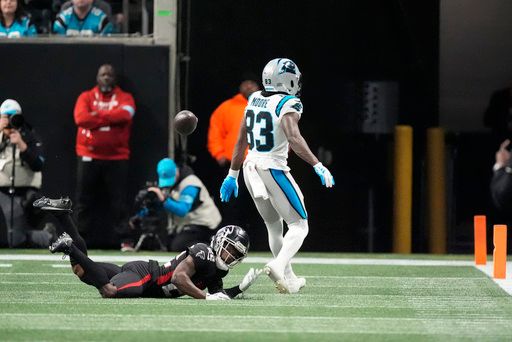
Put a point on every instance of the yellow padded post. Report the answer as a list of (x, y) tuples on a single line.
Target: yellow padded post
[(402, 195)]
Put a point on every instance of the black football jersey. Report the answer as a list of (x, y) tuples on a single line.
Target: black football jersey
[(207, 274)]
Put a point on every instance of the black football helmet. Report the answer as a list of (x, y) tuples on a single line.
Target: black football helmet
[(230, 244)]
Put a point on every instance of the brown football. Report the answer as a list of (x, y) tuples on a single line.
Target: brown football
[(185, 122)]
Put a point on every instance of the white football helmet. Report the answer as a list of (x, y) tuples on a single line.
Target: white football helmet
[(282, 75)]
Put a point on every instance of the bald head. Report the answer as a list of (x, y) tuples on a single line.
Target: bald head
[(106, 78)]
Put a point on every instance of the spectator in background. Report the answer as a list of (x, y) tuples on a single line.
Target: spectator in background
[(222, 136), (192, 214), (498, 115), (501, 182), (14, 23), (225, 123), (83, 18), (103, 116), (41, 14), (117, 18), (21, 146)]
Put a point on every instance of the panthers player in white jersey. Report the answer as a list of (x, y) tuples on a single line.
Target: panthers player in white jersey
[(270, 128)]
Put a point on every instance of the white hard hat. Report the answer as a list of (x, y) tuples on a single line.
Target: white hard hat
[(10, 107)]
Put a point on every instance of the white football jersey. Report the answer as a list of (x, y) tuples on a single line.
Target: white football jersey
[(268, 145)]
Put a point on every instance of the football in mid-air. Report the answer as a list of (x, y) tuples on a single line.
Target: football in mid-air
[(185, 122)]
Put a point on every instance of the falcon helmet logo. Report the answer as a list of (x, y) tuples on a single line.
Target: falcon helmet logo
[(201, 255)]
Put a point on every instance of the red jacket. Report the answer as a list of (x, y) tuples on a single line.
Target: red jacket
[(104, 124)]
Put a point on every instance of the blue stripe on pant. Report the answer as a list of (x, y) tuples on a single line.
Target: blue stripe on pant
[(289, 191)]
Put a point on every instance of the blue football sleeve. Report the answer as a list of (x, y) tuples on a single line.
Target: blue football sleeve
[(182, 206)]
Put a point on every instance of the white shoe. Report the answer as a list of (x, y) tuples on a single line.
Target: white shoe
[(277, 278), (295, 284)]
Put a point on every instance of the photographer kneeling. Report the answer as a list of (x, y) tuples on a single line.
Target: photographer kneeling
[(19, 186), (192, 214)]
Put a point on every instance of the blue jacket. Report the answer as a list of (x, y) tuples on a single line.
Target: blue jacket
[(96, 22), (19, 28)]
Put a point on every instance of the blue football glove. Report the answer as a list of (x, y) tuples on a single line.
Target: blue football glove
[(228, 187), (324, 174)]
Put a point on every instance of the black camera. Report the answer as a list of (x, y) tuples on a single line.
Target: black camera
[(147, 201), (16, 121), (151, 217), (150, 221)]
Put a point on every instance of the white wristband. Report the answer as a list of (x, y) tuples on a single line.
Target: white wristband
[(233, 173), (317, 164)]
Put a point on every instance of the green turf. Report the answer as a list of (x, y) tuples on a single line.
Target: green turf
[(339, 303)]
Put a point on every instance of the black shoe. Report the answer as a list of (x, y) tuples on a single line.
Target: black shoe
[(63, 244), (61, 204)]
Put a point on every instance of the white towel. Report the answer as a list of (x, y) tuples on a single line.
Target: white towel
[(257, 185)]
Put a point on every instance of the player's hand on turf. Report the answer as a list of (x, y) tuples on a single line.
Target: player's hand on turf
[(324, 174), (228, 187), (217, 296), (249, 279)]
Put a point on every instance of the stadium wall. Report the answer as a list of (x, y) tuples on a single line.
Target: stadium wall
[(46, 79)]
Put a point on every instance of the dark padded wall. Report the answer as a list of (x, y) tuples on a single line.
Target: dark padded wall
[(46, 80), (336, 43)]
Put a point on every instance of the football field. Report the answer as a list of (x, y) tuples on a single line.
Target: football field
[(348, 297)]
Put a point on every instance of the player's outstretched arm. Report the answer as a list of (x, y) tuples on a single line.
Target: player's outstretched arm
[(181, 278), (290, 124), (230, 184)]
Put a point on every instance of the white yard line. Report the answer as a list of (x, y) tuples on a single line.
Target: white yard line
[(505, 284), (253, 260)]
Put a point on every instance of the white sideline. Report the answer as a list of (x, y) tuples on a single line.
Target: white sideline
[(505, 284)]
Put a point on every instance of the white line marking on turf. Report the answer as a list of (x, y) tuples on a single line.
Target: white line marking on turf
[(38, 274), (255, 260), (505, 284), (60, 265), (5, 265), (40, 283)]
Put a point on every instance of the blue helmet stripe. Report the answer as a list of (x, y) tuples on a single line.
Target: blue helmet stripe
[(282, 102), (289, 191)]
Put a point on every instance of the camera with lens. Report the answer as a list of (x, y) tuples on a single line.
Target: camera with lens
[(150, 220), (16, 121), (151, 217), (147, 201)]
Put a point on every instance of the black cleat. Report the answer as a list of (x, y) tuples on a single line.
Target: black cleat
[(61, 204), (63, 244)]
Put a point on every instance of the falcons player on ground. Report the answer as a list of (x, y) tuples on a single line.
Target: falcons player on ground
[(197, 268)]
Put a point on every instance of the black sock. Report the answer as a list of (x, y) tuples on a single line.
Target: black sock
[(66, 224), (96, 274)]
